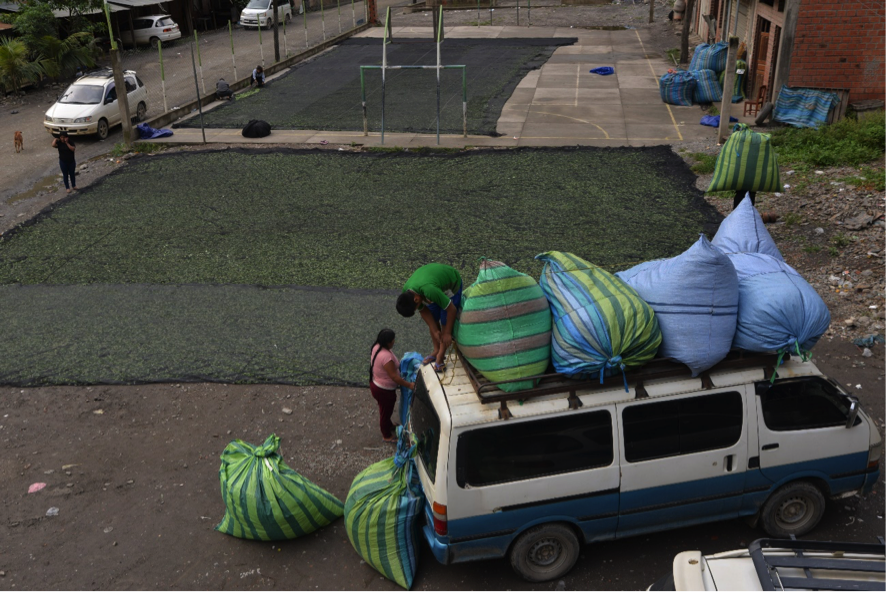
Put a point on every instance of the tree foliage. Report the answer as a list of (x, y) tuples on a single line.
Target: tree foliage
[(33, 22), (17, 67), (69, 54)]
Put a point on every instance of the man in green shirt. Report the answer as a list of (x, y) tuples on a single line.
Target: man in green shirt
[(435, 291)]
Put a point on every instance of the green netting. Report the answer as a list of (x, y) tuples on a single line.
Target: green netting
[(156, 272), (324, 93)]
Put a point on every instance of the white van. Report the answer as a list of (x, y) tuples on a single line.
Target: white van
[(258, 13), (534, 474)]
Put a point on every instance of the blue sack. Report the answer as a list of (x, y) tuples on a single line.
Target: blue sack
[(146, 132), (803, 107), (677, 88), (409, 366), (710, 57), (603, 71), (695, 298), (777, 309), (743, 231), (713, 120), (707, 87)]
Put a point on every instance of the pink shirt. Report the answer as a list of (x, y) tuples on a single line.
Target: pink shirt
[(379, 374)]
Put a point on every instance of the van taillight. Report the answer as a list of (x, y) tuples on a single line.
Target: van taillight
[(440, 524)]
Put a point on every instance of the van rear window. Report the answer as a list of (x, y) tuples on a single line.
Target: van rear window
[(536, 448), (425, 426)]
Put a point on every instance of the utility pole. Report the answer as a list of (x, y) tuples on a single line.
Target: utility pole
[(684, 38), (651, 10), (276, 31), (119, 84)]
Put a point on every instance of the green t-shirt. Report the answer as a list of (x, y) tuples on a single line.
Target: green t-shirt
[(434, 282)]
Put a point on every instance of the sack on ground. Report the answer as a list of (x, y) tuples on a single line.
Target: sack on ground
[(695, 298), (710, 57), (677, 88), (707, 87), (747, 162), (741, 67), (265, 500), (256, 128), (601, 325), (777, 309), (743, 231), (505, 326), (382, 512)]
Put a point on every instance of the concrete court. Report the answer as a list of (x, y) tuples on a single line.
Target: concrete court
[(561, 104)]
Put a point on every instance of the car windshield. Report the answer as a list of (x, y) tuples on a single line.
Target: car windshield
[(259, 4), (82, 94)]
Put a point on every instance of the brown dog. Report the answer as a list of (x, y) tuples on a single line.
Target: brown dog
[(19, 142)]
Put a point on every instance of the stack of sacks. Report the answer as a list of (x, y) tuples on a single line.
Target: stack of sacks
[(504, 329), (677, 88), (707, 63), (600, 323), (695, 298), (777, 309)]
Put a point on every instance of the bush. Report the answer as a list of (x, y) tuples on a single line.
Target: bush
[(848, 142), (33, 22)]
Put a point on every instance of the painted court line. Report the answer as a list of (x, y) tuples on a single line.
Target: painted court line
[(651, 69)]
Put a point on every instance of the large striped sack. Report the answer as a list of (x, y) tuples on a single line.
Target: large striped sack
[(778, 311), (803, 107), (710, 57), (409, 367), (743, 231), (265, 500), (707, 87), (677, 88), (601, 325), (695, 298), (741, 67), (747, 162), (382, 512), (504, 329)]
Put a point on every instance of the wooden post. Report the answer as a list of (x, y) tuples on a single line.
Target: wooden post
[(684, 37), (122, 97), (728, 88), (651, 10), (276, 30), (785, 48)]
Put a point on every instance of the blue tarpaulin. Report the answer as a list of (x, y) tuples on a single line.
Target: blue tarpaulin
[(603, 71), (146, 132), (714, 120), (803, 107)]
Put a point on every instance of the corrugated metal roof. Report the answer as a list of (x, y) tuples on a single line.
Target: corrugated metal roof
[(14, 7), (134, 3)]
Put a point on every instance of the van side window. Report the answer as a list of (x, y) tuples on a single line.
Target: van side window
[(672, 428), (425, 426), (532, 449), (803, 404)]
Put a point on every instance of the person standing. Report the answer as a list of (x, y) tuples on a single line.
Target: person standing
[(66, 161), (384, 376), (435, 291)]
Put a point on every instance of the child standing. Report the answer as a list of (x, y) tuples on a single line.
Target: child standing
[(384, 376)]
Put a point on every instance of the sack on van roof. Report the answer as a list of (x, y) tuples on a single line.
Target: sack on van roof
[(381, 513), (743, 231), (601, 325), (777, 309), (505, 326), (266, 500), (695, 298)]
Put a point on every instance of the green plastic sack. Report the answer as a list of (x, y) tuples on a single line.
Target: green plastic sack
[(265, 500), (382, 512), (505, 326), (747, 162), (738, 88)]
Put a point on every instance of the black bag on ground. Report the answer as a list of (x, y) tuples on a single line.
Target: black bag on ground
[(256, 128)]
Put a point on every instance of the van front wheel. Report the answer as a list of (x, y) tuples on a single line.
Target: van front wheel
[(795, 509), (545, 552)]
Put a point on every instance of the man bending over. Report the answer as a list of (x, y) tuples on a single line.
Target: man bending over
[(435, 291)]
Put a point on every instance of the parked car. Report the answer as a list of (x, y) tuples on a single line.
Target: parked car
[(151, 29), (780, 565), (258, 13), (89, 105), (571, 462)]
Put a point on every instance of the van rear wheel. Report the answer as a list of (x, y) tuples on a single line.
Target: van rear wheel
[(545, 552), (795, 509)]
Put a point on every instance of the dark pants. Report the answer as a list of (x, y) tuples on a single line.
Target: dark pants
[(69, 169), (739, 195), (386, 400), (224, 94)]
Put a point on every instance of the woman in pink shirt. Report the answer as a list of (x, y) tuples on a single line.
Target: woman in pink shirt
[(384, 376)]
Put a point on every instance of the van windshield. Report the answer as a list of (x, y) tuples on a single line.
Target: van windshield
[(259, 4), (426, 427), (82, 94)]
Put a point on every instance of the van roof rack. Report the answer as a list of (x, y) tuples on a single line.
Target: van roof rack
[(830, 572), (99, 73), (552, 383)]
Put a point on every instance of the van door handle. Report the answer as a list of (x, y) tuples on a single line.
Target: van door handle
[(728, 462), (770, 446)]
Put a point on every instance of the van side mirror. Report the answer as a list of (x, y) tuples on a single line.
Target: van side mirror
[(853, 413)]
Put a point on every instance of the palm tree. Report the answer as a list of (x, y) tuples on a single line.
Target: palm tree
[(67, 55), (15, 67)]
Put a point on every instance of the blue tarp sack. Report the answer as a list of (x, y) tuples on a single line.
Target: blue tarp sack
[(707, 87), (743, 231), (409, 366), (695, 298), (146, 132), (803, 107), (709, 57), (603, 71), (713, 120), (677, 88)]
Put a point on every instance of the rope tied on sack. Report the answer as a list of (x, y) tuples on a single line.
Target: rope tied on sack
[(614, 362)]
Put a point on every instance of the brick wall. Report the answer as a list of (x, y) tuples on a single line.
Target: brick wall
[(841, 44)]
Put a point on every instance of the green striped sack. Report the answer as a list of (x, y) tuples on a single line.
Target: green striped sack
[(265, 500), (747, 162), (505, 326), (382, 512)]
